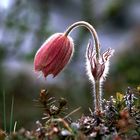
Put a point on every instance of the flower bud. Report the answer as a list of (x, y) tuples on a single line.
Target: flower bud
[(54, 54), (97, 69)]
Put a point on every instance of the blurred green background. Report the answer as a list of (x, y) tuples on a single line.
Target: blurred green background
[(25, 25)]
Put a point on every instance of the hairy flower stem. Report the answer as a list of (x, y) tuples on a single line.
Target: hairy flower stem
[(97, 90), (97, 93), (91, 29)]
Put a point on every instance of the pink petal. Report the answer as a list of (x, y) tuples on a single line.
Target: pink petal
[(42, 54)]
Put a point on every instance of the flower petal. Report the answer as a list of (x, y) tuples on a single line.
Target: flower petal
[(54, 54)]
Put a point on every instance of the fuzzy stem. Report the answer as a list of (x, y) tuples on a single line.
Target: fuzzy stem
[(91, 29), (97, 96), (97, 91)]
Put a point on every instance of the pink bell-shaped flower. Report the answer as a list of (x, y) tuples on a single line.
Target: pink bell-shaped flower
[(54, 54)]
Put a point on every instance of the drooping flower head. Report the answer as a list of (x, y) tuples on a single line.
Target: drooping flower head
[(54, 54), (97, 69)]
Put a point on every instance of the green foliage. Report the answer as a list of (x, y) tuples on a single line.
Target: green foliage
[(128, 66), (120, 119)]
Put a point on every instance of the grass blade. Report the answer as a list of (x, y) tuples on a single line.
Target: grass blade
[(4, 111), (15, 125), (11, 115), (77, 109)]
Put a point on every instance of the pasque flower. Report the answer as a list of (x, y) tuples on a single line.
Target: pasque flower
[(97, 69), (54, 54)]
